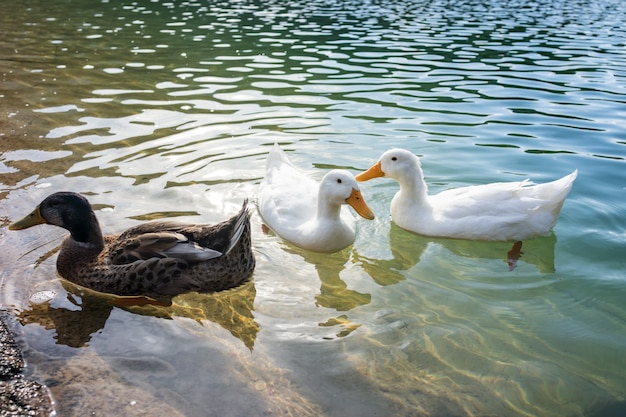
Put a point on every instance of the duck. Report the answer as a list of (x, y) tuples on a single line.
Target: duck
[(158, 260), (309, 214), (501, 211)]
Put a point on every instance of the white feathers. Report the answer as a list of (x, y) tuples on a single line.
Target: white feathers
[(496, 211)]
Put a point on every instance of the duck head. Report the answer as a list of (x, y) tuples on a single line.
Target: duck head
[(397, 164), (68, 210), (340, 187)]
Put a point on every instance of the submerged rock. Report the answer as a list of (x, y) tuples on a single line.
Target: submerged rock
[(11, 362)]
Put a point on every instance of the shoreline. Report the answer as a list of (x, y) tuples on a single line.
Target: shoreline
[(19, 395)]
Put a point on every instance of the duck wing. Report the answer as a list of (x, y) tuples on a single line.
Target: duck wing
[(160, 245), (164, 259), (287, 198), (191, 243), (508, 201), (223, 236)]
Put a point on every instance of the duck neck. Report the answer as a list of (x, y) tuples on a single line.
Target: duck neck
[(87, 231), (84, 244), (327, 210), (413, 187)]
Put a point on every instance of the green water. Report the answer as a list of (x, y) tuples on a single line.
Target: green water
[(168, 110)]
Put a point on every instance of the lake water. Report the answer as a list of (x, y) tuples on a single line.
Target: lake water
[(167, 109)]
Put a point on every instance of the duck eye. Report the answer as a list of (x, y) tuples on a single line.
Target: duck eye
[(394, 158), (339, 181)]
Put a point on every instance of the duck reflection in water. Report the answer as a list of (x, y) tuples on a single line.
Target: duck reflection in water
[(88, 311), (496, 212), (334, 292), (408, 248), (142, 269)]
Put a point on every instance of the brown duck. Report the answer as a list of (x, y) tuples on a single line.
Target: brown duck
[(158, 260)]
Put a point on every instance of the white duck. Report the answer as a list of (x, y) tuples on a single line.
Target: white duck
[(498, 211), (308, 214)]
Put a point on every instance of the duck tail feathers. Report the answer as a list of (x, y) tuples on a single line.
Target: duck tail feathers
[(277, 157), (556, 190), (562, 187), (242, 223)]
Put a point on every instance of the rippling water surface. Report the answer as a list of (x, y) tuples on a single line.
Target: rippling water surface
[(168, 109)]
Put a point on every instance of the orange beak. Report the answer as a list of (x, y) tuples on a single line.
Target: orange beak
[(359, 205), (374, 172)]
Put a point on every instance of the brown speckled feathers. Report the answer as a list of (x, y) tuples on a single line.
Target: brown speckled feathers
[(157, 259)]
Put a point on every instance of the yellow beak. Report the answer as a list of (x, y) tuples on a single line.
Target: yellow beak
[(374, 172), (33, 219), (359, 205)]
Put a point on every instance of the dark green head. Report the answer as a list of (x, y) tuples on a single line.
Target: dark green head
[(68, 210)]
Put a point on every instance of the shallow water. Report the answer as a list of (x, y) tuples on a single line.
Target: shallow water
[(168, 110)]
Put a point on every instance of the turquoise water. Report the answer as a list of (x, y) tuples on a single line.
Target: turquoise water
[(168, 110)]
